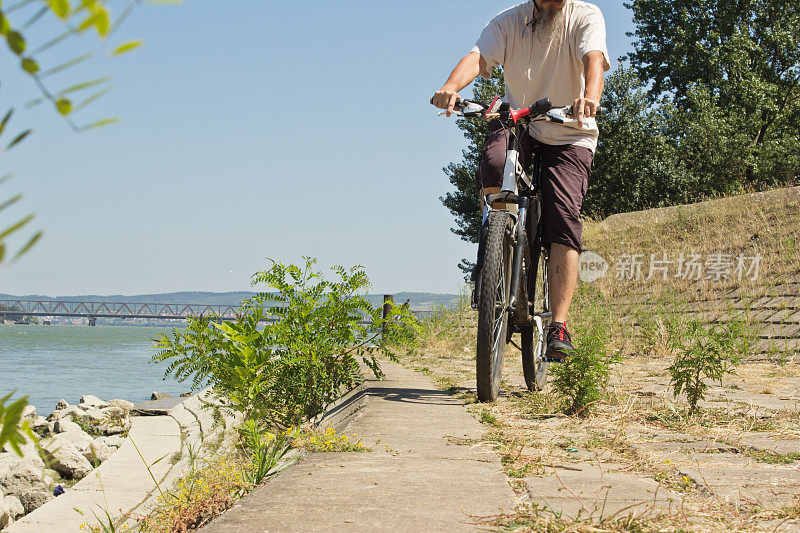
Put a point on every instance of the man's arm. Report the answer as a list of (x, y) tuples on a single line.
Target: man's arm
[(593, 68), (467, 70)]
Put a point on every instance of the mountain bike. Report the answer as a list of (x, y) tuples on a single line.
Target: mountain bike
[(512, 259)]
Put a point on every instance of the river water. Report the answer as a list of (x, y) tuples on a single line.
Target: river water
[(47, 363)]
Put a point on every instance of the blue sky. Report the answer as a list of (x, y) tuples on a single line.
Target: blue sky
[(251, 129)]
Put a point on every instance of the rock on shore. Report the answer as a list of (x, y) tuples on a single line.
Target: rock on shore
[(74, 439)]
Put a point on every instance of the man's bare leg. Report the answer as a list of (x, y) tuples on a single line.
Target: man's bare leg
[(563, 277)]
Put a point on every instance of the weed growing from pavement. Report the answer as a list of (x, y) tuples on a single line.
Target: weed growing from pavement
[(582, 380), (329, 441), (706, 354), (208, 490), (489, 419), (543, 519)]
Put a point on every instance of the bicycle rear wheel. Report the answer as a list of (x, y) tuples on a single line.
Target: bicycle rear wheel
[(534, 343), (493, 305), (534, 366)]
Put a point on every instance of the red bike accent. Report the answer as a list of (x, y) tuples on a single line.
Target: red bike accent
[(520, 113), (491, 108)]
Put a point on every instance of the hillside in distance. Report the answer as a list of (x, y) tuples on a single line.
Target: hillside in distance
[(419, 301)]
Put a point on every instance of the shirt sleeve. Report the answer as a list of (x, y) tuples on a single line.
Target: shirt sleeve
[(591, 36), (492, 45)]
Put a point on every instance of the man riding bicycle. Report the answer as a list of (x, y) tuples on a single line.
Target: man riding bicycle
[(548, 49)]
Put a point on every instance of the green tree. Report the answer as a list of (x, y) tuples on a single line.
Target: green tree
[(635, 166), (464, 201), (733, 71)]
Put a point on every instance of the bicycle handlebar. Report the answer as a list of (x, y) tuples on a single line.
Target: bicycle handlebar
[(474, 108)]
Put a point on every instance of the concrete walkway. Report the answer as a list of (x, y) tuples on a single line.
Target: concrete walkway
[(416, 479)]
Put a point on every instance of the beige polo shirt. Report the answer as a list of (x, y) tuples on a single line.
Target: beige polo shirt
[(534, 71)]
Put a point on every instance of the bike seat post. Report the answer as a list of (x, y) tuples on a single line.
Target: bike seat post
[(511, 167)]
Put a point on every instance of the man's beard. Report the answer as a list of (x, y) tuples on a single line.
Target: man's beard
[(550, 27)]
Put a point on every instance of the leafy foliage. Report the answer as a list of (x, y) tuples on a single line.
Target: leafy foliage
[(266, 450), (636, 166), (733, 71), (294, 366), (77, 18), (582, 378), (707, 355), (13, 430)]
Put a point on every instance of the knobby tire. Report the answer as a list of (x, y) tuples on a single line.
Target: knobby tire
[(493, 312)]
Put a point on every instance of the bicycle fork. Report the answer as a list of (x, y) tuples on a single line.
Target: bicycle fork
[(511, 170)]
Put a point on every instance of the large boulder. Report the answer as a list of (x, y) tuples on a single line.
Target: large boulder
[(76, 439), (29, 413), (93, 414), (68, 461), (159, 396), (66, 425), (40, 425), (33, 499), (14, 506), (113, 412), (28, 449), (70, 411), (115, 441), (62, 404), (123, 404), (23, 476), (5, 515), (114, 427), (93, 401), (30, 454), (98, 451)]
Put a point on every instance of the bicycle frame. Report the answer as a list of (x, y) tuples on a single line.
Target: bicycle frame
[(527, 221)]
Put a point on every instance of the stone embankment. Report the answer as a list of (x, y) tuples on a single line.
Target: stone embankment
[(162, 439), (74, 440)]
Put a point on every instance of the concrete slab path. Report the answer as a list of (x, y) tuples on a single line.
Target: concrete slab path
[(415, 479)]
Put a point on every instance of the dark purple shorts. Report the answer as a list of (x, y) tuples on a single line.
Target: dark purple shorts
[(565, 177)]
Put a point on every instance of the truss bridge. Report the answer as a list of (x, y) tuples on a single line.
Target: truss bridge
[(13, 309)]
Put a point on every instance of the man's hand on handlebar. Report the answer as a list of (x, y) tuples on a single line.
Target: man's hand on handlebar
[(584, 108), (445, 99)]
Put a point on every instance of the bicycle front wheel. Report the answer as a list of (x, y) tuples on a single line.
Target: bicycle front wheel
[(493, 305)]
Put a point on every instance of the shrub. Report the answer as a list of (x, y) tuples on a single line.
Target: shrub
[(308, 352), (581, 380), (705, 354)]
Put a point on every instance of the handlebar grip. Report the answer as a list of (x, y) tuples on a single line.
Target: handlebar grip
[(459, 102), (542, 106), (598, 112)]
